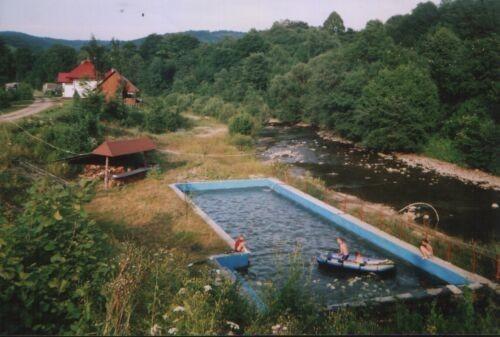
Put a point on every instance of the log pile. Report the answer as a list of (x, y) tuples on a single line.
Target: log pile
[(97, 171)]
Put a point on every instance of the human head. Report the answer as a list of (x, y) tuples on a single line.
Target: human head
[(357, 254), (339, 240), (241, 237)]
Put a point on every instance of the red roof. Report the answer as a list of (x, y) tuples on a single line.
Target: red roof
[(85, 70), (129, 86), (115, 148), (63, 78)]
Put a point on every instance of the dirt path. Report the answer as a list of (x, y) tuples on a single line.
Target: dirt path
[(39, 105)]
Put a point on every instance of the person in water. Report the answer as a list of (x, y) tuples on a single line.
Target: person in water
[(239, 244), (426, 248), (343, 250)]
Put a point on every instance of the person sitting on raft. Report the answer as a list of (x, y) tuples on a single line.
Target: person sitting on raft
[(343, 250), (426, 248), (239, 244), (358, 258)]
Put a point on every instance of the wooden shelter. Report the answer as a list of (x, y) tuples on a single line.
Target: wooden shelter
[(119, 153)]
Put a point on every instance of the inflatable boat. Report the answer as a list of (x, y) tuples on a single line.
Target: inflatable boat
[(369, 265)]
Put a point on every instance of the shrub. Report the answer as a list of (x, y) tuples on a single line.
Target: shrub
[(24, 92), (242, 123), (4, 99), (160, 117), (115, 110), (242, 142), (54, 262), (443, 149)]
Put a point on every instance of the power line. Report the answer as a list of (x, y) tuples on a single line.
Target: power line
[(43, 141)]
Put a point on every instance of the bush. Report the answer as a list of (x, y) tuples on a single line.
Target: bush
[(4, 99), (242, 142), (160, 117), (115, 110), (24, 92), (54, 262), (242, 123), (443, 149)]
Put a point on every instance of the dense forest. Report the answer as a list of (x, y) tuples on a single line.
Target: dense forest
[(423, 82)]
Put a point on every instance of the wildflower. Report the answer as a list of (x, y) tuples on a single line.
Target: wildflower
[(182, 291), (276, 329), (207, 288), (179, 309), (155, 330), (172, 331), (233, 325)]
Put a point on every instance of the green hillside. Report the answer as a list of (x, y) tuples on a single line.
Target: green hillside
[(22, 40)]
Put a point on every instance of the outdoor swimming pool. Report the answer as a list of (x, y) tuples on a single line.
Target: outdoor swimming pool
[(275, 227), (278, 220)]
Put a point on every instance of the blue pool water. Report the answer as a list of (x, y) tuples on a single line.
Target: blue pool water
[(275, 227)]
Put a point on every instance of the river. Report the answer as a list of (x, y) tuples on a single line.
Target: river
[(464, 209)]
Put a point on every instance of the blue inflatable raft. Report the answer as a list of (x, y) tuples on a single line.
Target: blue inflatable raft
[(369, 265)]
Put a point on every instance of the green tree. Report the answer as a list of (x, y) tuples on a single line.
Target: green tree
[(445, 53), (24, 59), (96, 53), (286, 93), (476, 135), (398, 109), (256, 71), (334, 23), (7, 69), (158, 76), (57, 58), (150, 46)]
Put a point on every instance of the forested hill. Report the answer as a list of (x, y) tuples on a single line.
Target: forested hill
[(22, 40), (423, 82)]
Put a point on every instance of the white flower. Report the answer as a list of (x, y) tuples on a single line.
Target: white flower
[(207, 288), (155, 330), (179, 308), (233, 325), (172, 331), (182, 291)]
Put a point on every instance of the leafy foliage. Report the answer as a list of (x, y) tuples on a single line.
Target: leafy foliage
[(242, 124), (53, 264)]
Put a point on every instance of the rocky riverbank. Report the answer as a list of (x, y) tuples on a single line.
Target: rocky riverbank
[(475, 176), (480, 178)]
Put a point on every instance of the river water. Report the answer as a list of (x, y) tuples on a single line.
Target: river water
[(464, 209)]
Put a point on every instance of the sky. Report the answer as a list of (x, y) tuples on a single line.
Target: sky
[(131, 19)]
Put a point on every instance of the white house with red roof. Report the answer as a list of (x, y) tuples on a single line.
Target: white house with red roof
[(81, 80)]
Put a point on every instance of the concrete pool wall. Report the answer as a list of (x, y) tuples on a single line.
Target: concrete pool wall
[(445, 271)]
